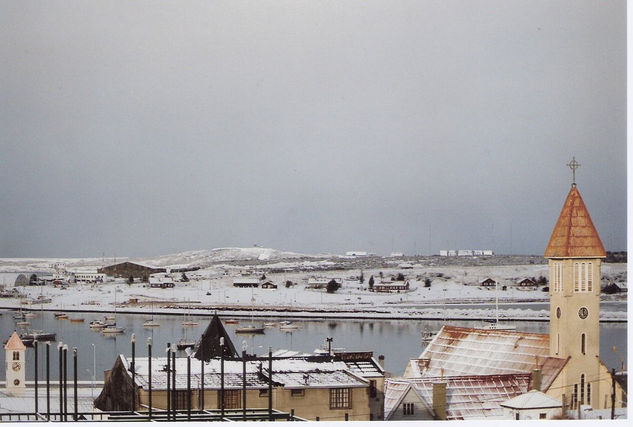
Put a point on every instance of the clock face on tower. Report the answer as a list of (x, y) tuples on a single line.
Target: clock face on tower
[(15, 366), (583, 312)]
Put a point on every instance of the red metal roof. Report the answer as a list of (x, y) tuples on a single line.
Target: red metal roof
[(574, 234)]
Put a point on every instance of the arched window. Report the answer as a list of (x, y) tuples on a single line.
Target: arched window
[(557, 343), (588, 393), (16, 355), (576, 277), (582, 343), (582, 389), (583, 277)]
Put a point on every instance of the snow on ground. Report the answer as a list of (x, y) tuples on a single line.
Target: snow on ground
[(212, 288)]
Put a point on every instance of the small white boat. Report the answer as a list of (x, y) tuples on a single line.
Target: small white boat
[(29, 315), (22, 323), (496, 326), (98, 324), (288, 326), (150, 323), (270, 325)]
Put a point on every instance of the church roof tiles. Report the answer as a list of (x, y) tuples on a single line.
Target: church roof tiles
[(574, 235)]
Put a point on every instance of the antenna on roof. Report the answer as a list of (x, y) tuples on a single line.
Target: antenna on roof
[(573, 165)]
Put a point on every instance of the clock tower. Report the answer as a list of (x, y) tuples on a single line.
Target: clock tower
[(15, 365), (574, 254)]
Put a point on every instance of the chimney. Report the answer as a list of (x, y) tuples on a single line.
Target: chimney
[(536, 379), (381, 361), (439, 400)]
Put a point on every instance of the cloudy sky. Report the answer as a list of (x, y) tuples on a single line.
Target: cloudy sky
[(145, 128)]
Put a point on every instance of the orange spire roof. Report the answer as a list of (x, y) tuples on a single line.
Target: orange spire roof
[(574, 235), (15, 343)]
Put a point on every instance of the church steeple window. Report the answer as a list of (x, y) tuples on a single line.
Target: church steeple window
[(582, 343), (583, 277)]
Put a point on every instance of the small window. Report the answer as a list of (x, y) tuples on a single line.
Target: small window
[(582, 389), (542, 416), (407, 408), (16, 355), (340, 398), (298, 392), (582, 343), (263, 392), (516, 416)]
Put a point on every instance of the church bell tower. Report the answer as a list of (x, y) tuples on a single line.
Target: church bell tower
[(15, 367), (574, 254)]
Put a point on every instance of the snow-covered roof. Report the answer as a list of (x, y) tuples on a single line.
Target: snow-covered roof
[(467, 397), (298, 372), (533, 399), (468, 351)]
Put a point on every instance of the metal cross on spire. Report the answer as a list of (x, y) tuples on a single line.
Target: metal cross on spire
[(573, 165)]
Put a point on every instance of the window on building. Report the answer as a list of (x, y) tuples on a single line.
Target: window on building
[(298, 392), (574, 397), (582, 343), (407, 408), (372, 388), (231, 399), (576, 277), (180, 399), (583, 277), (263, 392), (589, 277), (557, 343), (16, 355), (582, 389), (542, 416), (340, 398), (588, 393), (516, 416)]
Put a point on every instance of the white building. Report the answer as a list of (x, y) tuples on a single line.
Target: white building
[(533, 405), (87, 276)]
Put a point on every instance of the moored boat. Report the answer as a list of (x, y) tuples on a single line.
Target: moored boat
[(249, 330), (288, 326), (231, 321), (22, 323), (60, 316), (149, 323), (77, 319), (112, 330), (184, 344)]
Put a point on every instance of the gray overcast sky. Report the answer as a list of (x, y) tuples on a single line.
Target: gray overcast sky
[(144, 128)]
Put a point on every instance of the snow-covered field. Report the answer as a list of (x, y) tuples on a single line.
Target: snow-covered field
[(211, 287)]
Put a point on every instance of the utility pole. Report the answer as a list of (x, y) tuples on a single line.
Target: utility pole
[(612, 393)]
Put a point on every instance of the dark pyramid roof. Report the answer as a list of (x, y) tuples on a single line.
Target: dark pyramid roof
[(208, 346)]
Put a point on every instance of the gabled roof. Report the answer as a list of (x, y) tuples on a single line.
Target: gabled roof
[(14, 343), (209, 344), (574, 235), (533, 399), (459, 351), (467, 397)]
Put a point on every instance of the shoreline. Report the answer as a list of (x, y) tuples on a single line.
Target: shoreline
[(307, 314)]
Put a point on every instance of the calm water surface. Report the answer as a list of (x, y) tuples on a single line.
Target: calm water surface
[(398, 340)]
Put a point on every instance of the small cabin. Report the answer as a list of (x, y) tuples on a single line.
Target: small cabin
[(267, 284), (488, 282), (527, 283)]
